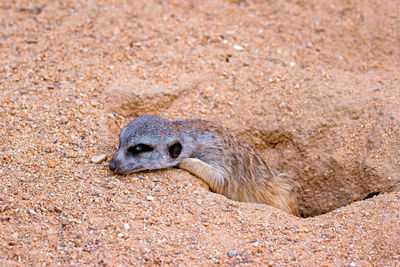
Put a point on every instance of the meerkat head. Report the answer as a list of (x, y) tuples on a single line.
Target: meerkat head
[(147, 143)]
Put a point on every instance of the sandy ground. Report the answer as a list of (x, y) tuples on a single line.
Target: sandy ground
[(313, 85)]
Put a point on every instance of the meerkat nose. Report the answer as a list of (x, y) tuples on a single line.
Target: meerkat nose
[(112, 166)]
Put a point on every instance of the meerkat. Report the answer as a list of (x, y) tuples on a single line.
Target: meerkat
[(229, 165)]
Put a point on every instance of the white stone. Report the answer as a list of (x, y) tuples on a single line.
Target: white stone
[(99, 158), (150, 198), (238, 47)]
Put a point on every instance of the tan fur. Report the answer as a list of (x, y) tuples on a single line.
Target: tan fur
[(278, 194), (246, 176)]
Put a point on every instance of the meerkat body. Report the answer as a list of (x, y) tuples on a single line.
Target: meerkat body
[(230, 166)]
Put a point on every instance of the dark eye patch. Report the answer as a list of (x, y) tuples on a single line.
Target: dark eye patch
[(175, 150), (139, 148)]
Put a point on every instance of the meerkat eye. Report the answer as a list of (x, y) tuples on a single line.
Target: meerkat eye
[(139, 148)]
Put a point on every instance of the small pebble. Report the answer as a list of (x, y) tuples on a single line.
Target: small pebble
[(232, 253), (57, 209), (238, 47), (14, 65), (94, 103), (32, 212), (126, 226), (99, 158), (150, 198), (292, 64), (63, 120), (51, 164)]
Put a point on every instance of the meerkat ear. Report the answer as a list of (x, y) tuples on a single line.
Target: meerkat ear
[(175, 149)]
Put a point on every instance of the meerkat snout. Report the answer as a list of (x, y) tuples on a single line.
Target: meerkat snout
[(112, 166)]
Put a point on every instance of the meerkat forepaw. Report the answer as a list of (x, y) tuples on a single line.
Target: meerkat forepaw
[(212, 176)]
